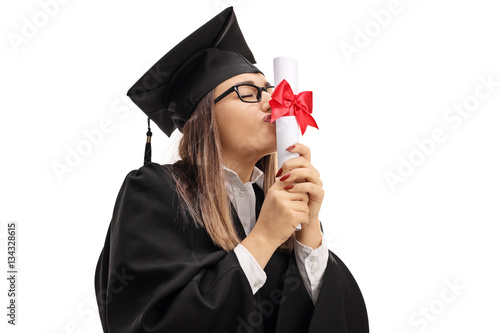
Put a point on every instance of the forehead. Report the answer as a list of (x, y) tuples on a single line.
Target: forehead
[(253, 78)]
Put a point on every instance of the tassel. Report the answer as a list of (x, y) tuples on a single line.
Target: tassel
[(147, 152)]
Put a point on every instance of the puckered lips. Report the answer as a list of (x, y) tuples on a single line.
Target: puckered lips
[(267, 119)]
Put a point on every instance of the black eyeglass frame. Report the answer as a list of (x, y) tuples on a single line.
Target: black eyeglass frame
[(235, 88)]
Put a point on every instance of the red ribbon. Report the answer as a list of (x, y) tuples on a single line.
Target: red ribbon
[(285, 103)]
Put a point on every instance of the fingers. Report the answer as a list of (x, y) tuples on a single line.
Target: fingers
[(303, 161), (296, 163), (302, 175), (303, 150), (292, 196), (301, 212), (315, 192), (300, 206), (298, 196)]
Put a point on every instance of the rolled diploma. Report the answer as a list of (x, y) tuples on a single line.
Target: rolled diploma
[(287, 129)]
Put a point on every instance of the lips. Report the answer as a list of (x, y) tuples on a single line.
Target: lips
[(267, 118)]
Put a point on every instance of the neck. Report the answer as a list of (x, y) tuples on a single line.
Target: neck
[(243, 168)]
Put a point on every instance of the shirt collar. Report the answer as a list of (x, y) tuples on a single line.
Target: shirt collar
[(257, 176)]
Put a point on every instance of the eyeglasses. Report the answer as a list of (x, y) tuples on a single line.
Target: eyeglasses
[(248, 93)]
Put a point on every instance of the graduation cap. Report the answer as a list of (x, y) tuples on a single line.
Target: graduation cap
[(170, 90)]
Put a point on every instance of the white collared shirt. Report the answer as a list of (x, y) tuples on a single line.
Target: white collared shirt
[(311, 262)]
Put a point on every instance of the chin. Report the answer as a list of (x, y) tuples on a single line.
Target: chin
[(267, 150), (272, 149)]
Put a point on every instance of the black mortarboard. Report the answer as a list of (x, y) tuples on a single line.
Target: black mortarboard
[(170, 90)]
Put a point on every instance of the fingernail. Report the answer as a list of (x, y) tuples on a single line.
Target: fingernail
[(279, 172), (288, 187), (291, 147), (285, 177)]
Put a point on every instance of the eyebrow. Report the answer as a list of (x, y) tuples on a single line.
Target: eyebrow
[(267, 84)]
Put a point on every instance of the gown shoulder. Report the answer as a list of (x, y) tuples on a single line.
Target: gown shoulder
[(151, 272)]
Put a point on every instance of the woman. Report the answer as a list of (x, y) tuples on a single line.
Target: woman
[(208, 244)]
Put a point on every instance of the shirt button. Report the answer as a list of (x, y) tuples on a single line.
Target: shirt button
[(256, 283), (241, 193), (314, 259), (314, 270)]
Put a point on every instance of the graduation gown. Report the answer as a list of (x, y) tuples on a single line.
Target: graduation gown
[(160, 273)]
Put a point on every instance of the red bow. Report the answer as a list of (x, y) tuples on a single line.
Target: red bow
[(285, 103)]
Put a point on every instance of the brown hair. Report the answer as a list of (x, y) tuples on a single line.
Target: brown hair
[(200, 177)]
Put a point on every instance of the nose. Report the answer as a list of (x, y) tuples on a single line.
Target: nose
[(266, 97)]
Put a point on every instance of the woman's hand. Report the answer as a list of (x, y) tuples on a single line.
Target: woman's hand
[(300, 173), (282, 211), (284, 208), (279, 216)]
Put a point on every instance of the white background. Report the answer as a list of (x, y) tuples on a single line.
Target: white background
[(405, 246)]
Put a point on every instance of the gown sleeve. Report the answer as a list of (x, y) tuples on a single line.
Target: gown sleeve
[(157, 272), (340, 303)]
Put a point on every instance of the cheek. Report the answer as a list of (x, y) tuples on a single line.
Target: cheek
[(238, 124), (243, 130), (231, 127), (249, 126)]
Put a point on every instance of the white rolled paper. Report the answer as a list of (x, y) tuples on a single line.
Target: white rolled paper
[(287, 129)]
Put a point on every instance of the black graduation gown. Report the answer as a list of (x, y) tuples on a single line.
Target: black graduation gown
[(159, 273)]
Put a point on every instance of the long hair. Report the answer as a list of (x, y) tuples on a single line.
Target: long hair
[(200, 177)]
